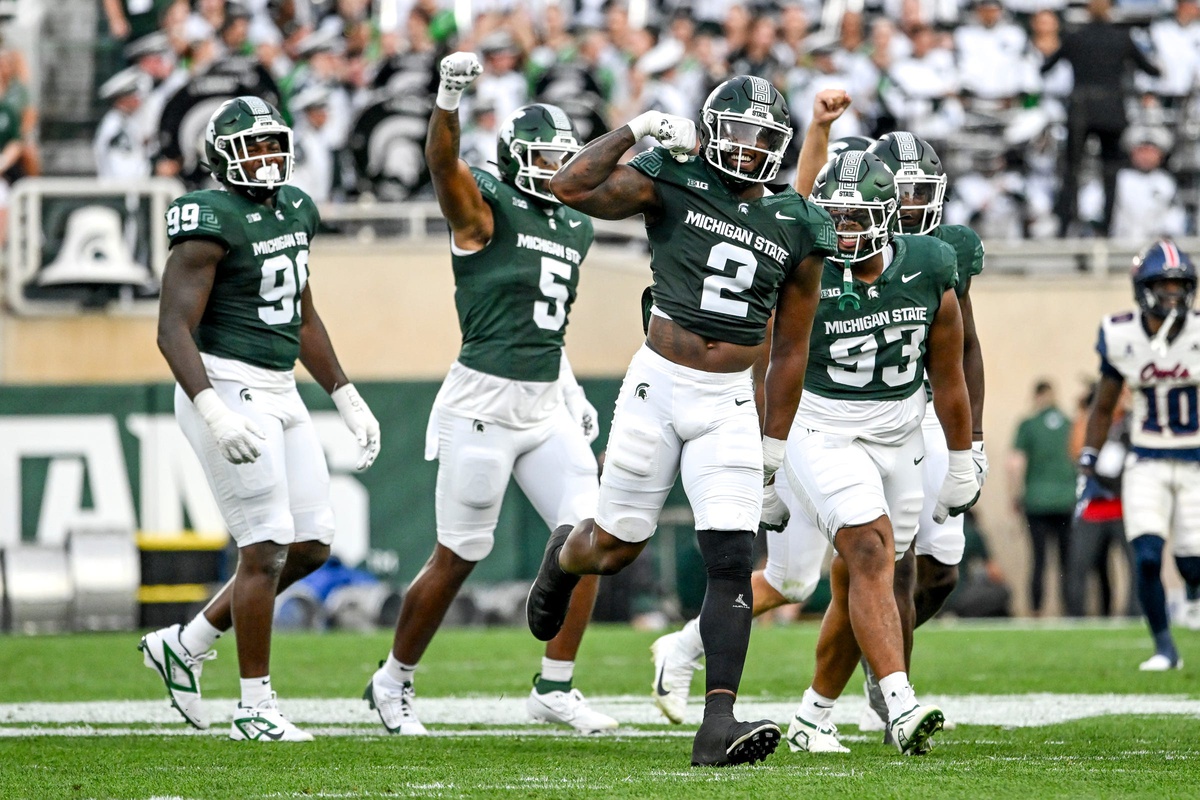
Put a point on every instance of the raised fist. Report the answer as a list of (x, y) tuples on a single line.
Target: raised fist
[(459, 70)]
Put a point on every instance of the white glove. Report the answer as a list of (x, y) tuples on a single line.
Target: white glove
[(583, 412), (775, 514), (960, 490), (677, 134), (360, 421), (236, 434), (773, 450), (458, 71), (979, 456)]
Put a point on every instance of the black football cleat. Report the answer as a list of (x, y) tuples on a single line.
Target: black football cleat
[(723, 742), (550, 595)]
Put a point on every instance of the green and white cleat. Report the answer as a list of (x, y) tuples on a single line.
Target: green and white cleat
[(808, 737), (180, 671), (912, 732), (265, 723)]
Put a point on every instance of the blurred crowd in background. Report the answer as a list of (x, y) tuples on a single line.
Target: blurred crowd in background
[(1036, 106)]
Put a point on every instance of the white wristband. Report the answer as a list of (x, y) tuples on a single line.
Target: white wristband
[(210, 406), (961, 463), (448, 99), (773, 450)]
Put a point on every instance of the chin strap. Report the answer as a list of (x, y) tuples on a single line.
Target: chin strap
[(849, 298), (1159, 343)]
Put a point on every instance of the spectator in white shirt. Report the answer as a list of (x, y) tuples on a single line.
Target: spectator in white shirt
[(1176, 41), (923, 95), (1147, 206), (989, 51), (120, 142)]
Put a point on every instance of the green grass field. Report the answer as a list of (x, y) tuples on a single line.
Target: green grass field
[(1052, 711)]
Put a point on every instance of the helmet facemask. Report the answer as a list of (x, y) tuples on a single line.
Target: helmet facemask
[(921, 196), (734, 141), (866, 227), (533, 177), (1159, 299)]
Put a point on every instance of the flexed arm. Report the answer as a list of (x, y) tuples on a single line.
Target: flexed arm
[(594, 183), (469, 215)]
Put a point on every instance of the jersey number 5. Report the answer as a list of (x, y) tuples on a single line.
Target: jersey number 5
[(281, 287), (552, 314)]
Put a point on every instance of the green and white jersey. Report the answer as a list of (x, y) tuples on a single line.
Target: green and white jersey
[(718, 261), (866, 364), (253, 310), (968, 249), (513, 296)]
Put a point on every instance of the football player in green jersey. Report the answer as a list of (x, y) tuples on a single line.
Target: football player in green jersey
[(724, 254), (510, 405), (235, 314), (888, 314), (938, 548)]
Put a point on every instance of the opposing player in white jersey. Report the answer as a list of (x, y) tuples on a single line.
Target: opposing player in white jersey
[(1156, 351)]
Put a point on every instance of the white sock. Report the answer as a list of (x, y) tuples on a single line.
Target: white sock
[(256, 690), (557, 671), (398, 671), (898, 693), (199, 635), (814, 707), (689, 639)]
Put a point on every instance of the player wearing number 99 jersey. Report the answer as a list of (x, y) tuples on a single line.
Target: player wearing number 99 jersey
[(510, 406), (1156, 351), (236, 313)]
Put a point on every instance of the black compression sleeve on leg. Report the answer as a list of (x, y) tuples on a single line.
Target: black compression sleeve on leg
[(728, 602)]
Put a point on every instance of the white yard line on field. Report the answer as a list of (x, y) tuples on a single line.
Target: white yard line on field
[(1015, 711)]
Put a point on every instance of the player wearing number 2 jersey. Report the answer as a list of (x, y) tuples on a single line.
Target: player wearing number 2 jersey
[(1156, 351), (236, 313), (887, 313), (724, 253), (510, 405)]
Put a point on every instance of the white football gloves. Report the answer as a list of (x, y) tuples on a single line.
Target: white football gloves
[(979, 456), (677, 134), (775, 514), (237, 436), (360, 421), (458, 71), (583, 412), (960, 490)]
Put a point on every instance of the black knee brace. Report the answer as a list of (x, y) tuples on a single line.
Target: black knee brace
[(728, 555)]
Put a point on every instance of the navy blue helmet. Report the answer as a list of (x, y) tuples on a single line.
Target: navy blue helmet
[(1163, 261)]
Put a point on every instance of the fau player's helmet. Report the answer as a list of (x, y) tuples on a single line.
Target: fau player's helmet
[(1163, 261)]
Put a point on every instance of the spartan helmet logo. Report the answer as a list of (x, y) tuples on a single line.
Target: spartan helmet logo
[(478, 426), (640, 390), (245, 395), (872, 292)]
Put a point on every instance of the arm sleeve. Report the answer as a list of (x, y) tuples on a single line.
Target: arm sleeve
[(193, 217)]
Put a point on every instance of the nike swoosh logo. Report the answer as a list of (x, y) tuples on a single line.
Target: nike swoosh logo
[(659, 687), (297, 204), (907, 278), (918, 460), (781, 215), (575, 223), (741, 402)]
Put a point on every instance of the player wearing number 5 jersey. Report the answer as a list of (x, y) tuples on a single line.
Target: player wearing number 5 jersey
[(1156, 351), (510, 406), (236, 313), (724, 253), (888, 312)]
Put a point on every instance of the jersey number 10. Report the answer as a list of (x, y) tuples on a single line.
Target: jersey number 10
[(1182, 414)]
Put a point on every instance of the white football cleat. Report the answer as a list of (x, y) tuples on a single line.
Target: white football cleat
[(912, 732), (1190, 618), (673, 670), (568, 708), (265, 723), (808, 737), (394, 704), (180, 671), (1160, 663)]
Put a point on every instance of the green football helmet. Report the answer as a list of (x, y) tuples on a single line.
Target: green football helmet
[(745, 129), (920, 180), (847, 143), (231, 130), (859, 192), (534, 142)]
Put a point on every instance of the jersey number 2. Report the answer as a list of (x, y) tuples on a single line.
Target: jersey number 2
[(715, 286), (281, 286)]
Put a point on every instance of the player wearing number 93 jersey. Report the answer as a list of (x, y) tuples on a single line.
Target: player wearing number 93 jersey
[(510, 406), (236, 313), (1156, 351)]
